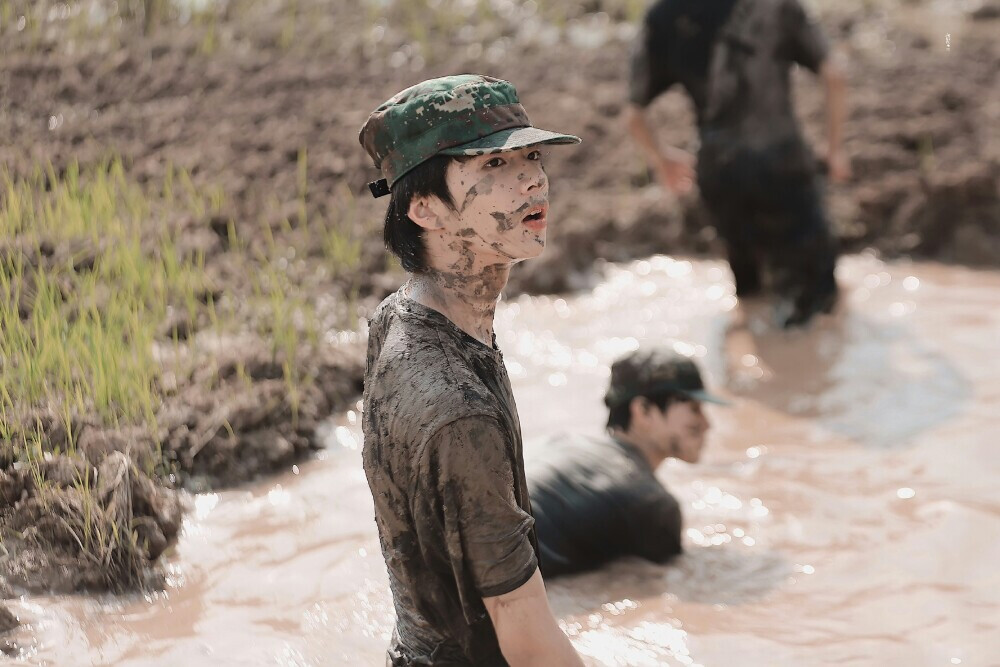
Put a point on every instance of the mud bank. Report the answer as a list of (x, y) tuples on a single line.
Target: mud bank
[(99, 517), (239, 110), (264, 108)]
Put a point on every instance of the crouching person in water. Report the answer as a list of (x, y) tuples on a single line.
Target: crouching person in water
[(597, 499), (442, 448)]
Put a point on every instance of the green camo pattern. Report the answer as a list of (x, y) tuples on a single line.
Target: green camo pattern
[(441, 116)]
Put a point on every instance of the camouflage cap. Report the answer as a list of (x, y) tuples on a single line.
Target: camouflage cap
[(464, 114), (655, 371)]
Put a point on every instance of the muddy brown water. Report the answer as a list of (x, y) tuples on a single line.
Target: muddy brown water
[(846, 511)]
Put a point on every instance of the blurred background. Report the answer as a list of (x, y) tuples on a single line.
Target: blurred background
[(188, 254)]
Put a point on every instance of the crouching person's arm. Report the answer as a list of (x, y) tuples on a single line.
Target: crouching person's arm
[(527, 630)]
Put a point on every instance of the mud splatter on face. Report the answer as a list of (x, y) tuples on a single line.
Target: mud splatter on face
[(504, 222), (483, 187), (496, 245), (507, 221)]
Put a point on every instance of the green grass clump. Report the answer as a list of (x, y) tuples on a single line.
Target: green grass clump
[(89, 269), (79, 298), (82, 293)]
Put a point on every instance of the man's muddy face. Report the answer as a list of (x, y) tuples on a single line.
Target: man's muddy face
[(501, 204), (690, 425), (679, 431)]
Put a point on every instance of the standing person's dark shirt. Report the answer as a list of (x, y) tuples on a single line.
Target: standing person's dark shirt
[(733, 57), (597, 499), (444, 462)]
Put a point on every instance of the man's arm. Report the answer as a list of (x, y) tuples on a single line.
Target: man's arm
[(487, 539), (835, 83), (807, 45), (527, 630), (649, 76), (674, 167)]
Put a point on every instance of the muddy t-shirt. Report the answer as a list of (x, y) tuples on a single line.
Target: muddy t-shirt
[(444, 462), (597, 499), (733, 57)]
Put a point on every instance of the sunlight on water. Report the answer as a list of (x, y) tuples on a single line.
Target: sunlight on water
[(645, 644), (817, 487), (205, 503)]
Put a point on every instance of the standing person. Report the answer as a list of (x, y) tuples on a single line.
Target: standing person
[(442, 452), (596, 499), (756, 174)]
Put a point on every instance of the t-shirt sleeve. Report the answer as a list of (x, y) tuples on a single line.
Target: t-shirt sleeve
[(468, 470), (648, 73), (803, 37)]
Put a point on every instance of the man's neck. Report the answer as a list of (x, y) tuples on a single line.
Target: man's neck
[(467, 298), (653, 457)]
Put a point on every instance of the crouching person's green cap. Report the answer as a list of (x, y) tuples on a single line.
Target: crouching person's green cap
[(465, 114), (653, 371)]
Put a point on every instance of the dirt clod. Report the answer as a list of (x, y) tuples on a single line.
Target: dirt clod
[(8, 621)]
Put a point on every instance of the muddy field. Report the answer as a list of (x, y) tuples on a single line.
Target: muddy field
[(263, 107)]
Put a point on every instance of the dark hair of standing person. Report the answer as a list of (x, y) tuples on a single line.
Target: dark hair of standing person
[(403, 237), (620, 416)]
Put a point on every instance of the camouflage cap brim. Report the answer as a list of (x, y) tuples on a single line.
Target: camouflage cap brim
[(463, 114), (511, 139)]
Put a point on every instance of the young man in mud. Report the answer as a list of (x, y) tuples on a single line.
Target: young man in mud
[(598, 499), (442, 439), (757, 176)]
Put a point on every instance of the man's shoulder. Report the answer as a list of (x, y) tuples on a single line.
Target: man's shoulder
[(581, 447), (418, 379), (581, 458), (596, 463), (418, 361)]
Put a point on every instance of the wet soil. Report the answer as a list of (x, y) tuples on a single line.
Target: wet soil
[(923, 102), (66, 525), (237, 104)]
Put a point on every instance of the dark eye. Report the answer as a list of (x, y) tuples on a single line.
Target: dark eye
[(493, 163), (535, 155)]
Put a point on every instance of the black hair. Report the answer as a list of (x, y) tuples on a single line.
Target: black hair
[(620, 415), (403, 237)]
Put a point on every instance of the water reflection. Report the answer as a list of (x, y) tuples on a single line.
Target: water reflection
[(729, 575), (866, 378), (808, 527)]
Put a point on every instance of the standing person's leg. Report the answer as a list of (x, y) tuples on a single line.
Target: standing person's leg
[(744, 261), (805, 255), (730, 191), (727, 193)]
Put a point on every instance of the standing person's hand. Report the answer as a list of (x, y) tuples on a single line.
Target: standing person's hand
[(675, 170), (838, 167)]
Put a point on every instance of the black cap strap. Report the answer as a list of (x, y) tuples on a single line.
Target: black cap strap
[(379, 188)]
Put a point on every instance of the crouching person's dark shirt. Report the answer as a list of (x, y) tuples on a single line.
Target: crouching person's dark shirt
[(597, 499), (444, 462)]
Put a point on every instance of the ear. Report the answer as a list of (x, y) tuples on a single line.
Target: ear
[(638, 408), (427, 212)]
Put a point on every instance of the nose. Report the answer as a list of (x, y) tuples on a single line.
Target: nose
[(534, 180)]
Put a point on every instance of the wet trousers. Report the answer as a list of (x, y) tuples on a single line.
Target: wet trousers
[(768, 208)]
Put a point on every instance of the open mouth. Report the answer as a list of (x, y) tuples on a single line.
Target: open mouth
[(536, 214)]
